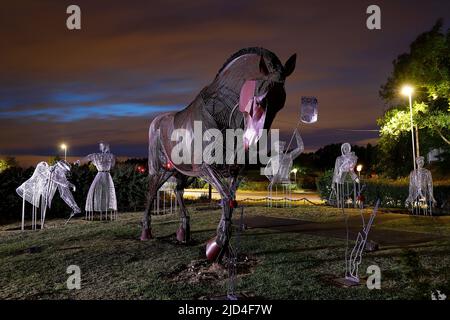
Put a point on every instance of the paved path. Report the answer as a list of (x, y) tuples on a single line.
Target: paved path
[(256, 195)]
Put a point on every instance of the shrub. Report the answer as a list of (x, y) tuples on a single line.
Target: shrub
[(392, 193), (323, 183), (130, 184)]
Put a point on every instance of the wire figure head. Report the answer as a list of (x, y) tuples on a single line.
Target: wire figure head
[(64, 165), (104, 146), (346, 148), (420, 162)]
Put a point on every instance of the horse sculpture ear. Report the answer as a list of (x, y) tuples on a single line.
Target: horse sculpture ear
[(263, 67), (289, 66)]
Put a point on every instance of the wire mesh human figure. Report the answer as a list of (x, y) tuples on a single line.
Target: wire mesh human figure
[(168, 191), (102, 194), (343, 172), (420, 198), (279, 167), (40, 189), (343, 168)]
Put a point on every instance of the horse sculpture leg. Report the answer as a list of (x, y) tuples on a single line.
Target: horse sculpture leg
[(223, 230), (146, 221), (155, 182), (184, 231), (218, 246)]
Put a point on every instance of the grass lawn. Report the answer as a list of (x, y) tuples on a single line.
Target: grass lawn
[(286, 265)]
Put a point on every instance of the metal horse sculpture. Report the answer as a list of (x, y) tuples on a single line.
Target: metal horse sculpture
[(246, 94)]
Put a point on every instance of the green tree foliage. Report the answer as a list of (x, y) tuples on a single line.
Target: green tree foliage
[(8, 162), (427, 68)]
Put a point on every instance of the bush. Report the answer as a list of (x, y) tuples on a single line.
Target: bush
[(131, 187), (253, 185), (323, 184), (130, 184), (308, 181), (392, 193)]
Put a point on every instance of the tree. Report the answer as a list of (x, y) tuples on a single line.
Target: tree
[(7, 163), (427, 67)]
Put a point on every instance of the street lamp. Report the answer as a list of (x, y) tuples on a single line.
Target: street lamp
[(359, 168), (295, 170), (64, 147), (408, 91)]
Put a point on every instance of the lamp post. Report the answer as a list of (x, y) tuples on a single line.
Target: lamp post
[(408, 91), (295, 174), (64, 147), (359, 168)]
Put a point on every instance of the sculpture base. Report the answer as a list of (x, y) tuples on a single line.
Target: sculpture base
[(347, 282)]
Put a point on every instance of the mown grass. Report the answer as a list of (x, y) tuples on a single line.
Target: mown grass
[(116, 265)]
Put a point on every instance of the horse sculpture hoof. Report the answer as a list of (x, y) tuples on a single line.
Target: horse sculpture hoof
[(181, 234), (146, 234), (212, 250)]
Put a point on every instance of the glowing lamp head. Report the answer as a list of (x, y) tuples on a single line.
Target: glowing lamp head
[(63, 146), (407, 90), (359, 167)]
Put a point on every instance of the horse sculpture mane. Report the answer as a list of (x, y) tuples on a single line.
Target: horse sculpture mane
[(270, 57), (246, 94)]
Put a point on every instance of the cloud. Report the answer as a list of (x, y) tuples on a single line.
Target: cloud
[(76, 113), (131, 61)]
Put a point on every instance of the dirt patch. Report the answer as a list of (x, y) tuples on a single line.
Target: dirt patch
[(202, 271), (26, 227), (74, 248), (337, 229), (29, 250), (172, 239)]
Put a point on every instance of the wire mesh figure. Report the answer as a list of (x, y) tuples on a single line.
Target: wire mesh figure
[(40, 189), (279, 167), (420, 198), (353, 261), (344, 167), (246, 94), (102, 194), (168, 191)]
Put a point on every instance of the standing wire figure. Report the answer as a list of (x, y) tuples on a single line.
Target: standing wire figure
[(344, 170), (168, 191), (344, 167), (40, 189), (279, 167), (420, 197), (102, 194)]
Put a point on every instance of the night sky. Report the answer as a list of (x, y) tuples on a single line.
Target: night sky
[(135, 59)]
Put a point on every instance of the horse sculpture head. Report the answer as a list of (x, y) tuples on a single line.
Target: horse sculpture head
[(250, 86)]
